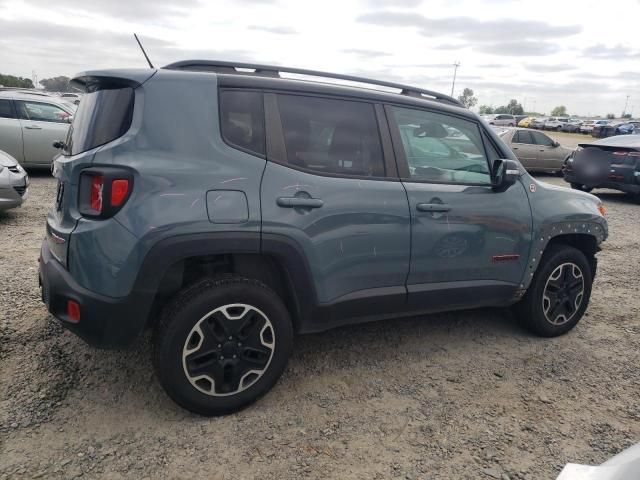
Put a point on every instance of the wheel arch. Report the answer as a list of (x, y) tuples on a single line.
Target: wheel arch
[(276, 261), (583, 236)]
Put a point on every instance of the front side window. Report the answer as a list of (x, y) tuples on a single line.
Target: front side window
[(6, 109), (242, 120), (541, 139), (331, 136), (42, 112), (442, 148)]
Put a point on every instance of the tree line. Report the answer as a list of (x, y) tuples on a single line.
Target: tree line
[(54, 84)]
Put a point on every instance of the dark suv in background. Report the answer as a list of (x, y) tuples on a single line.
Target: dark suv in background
[(228, 209)]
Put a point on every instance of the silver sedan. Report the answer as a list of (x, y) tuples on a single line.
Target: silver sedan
[(536, 151), (14, 182), (30, 122)]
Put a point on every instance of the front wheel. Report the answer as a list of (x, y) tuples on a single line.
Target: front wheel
[(559, 292), (221, 344)]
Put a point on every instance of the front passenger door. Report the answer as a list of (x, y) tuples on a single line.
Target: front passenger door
[(546, 151), (42, 125), (469, 244)]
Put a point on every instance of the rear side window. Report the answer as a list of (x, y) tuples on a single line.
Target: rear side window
[(522, 136), (6, 109), (242, 120), (101, 117), (331, 136)]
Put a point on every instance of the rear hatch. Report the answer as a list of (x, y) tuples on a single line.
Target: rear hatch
[(615, 159), (105, 114)]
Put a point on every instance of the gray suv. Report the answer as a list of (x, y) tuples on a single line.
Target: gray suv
[(228, 209)]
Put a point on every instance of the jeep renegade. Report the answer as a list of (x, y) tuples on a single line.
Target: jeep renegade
[(228, 208)]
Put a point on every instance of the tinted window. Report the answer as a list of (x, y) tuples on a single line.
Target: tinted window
[(42, 112), (541, 139), (522, 136), (442, 148), (6, 109), (242, 120), (331, 136), (101, 117)]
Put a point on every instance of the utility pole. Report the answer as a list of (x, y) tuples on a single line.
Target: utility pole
[(625, 106), (456, 64)]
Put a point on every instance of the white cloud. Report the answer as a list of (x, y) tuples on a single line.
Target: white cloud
[(552, 53)]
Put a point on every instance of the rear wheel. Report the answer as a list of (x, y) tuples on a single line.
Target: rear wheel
[(221, 344), (581, 187), (559, 292)]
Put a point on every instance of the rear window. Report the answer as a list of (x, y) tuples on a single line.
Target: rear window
[(101, 117)]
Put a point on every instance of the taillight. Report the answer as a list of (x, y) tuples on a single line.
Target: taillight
[(97, 185), (103, 191), (119, 191)]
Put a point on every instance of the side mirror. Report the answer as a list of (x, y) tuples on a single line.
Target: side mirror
[(504, 173), (556, 144), (58, 144)]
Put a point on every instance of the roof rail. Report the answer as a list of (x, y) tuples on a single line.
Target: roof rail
[(274, 71)]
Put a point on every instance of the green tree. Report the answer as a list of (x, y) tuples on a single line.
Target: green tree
[(513, 107), (467, 99), (486, 110), (559, 111), (11, 81), (56, 84), (610, 116), (626, 115)]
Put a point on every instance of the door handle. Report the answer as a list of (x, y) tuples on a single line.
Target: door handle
[(294, 202), (433, 207), (33, 127)]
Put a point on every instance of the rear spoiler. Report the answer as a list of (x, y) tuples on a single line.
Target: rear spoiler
[(95, 80)]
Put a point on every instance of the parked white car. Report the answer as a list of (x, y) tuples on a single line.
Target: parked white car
[(30, 123), (555, 123), (14, 182), (501, 120), (587, 126)]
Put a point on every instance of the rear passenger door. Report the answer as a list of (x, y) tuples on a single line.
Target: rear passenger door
[(10, 130), (469, 244), (331, 187), (523, 146)]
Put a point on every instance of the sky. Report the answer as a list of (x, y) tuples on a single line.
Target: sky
[(581, 54)]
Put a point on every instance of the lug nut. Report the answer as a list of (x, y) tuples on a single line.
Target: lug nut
[(239, 344), (230, 338), (219, 345), (221, 357), (234, 356)]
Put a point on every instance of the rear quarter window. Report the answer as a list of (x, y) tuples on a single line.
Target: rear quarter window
[(242, 120), (101, 117)]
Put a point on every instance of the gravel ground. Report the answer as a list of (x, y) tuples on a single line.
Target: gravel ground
[(461, 395)]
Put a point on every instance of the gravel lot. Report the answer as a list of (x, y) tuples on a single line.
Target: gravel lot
[(462, 395)]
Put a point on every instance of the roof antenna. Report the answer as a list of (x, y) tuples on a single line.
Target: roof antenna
[(143, 52)]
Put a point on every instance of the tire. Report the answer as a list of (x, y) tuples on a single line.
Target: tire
[(581, 187), (226, 376), (551, 308)]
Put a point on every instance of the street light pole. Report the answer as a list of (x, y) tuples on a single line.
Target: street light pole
[(456, 64), (624, 111)]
